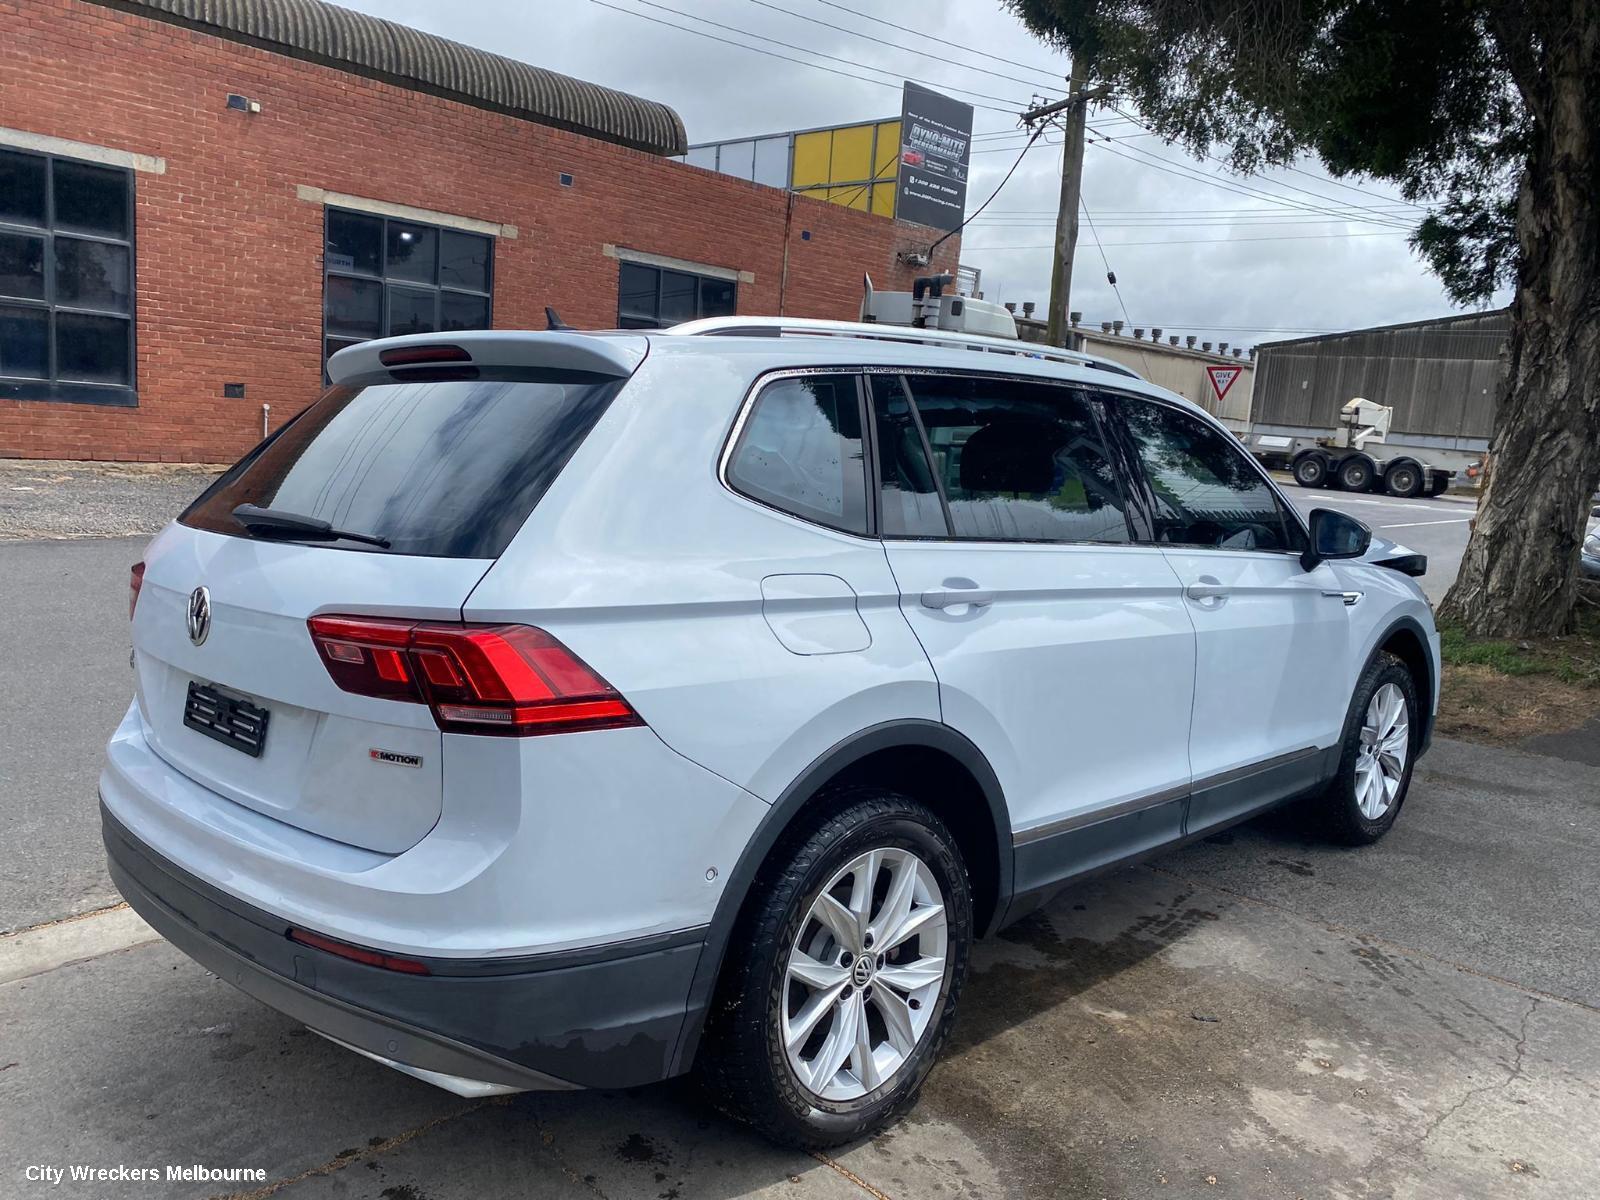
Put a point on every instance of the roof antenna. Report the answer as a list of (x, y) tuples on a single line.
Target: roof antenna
[(552, 319)]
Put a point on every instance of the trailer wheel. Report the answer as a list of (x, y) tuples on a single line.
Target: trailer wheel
[(1356, 473), (1310, 470), (1404, 478)]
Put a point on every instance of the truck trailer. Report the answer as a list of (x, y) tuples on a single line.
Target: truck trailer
[(1342, 459)]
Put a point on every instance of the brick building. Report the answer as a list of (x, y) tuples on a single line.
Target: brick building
[(199, 199)]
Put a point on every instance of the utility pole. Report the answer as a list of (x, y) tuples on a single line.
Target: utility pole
[(1074, 106)]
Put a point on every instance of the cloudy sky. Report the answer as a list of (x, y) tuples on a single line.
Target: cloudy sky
[(1195, 249)]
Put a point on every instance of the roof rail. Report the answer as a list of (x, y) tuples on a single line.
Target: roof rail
[(873, 331)]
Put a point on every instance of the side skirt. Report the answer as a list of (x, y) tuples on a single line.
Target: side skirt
[(1054, 857)]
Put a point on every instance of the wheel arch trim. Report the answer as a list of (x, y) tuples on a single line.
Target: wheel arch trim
[(888, 735), (1410, 625)]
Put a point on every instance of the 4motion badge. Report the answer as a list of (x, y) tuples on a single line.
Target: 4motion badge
[(394, 757)]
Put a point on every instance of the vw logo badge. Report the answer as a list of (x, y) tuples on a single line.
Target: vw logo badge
[(199, 615)]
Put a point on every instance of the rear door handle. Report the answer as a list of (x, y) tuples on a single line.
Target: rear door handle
[(1206, 589), (958, 591)]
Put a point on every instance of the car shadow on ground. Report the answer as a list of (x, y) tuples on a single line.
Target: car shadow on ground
[(1114, 1006)]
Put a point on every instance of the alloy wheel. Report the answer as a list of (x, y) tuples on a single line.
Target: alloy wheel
[(864, 974), (1381, 758)]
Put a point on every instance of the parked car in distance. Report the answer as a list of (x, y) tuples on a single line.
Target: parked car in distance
[(551, 710), (1589, 560)]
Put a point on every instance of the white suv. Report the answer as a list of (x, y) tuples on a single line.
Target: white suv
[(550, 710)]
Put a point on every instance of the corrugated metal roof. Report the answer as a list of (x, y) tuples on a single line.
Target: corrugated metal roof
[(370, 46), (1489, 320)]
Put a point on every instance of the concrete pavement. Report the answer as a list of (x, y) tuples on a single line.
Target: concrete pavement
[(1257, 1015)]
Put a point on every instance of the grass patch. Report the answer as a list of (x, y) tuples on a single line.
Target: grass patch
[(1500, 691), (1574, 658)]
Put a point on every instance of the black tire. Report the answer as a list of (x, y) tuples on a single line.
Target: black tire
[(1403, 479), (1336, 812), (744, 1066), (1356, 473), (1310, 470)]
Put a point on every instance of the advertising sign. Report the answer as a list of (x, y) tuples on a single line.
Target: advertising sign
[(935, 147)]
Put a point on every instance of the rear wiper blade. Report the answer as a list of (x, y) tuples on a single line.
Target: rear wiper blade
[(271, 522)]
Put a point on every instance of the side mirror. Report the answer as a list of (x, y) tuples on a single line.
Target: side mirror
[(1334, 535)]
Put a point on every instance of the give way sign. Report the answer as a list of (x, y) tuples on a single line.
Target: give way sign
[(1222, 379)]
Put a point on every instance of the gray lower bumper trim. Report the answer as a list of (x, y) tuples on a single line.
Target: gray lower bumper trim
[(391, 1042), (608, 1016)]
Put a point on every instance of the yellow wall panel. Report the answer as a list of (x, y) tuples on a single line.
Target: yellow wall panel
[(883, 199), (811, 154), (888, 158), (853, 196), (852, 154)]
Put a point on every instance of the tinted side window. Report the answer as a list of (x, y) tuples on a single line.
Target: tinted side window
[(1207, 492), (1019, 461), (800, 451), (909, 501)]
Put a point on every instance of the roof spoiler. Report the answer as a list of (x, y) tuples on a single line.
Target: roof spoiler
[(617, 356)]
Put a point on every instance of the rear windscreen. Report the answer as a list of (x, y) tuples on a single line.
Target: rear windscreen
[(443, 469)]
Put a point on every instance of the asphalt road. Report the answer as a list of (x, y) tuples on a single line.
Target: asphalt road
[(1437, 528), (1256, 1016), (64, 685)]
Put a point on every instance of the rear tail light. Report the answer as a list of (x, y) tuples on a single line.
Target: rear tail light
[(135, 582), (499, 679)]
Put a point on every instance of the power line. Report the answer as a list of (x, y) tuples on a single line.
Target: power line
[(1153, 212), (788, 12), (1111, 276), (1013, 105), (943, 42), (1087, 139), (1184, 171), (992, 195), (1192, 175), (1350, 187), (1294, 237), (1292, 187), (1285, 218)]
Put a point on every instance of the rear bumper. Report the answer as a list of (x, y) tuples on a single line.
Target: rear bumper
[(608, 1016)]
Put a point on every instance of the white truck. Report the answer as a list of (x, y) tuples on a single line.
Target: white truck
[(1342, 460)]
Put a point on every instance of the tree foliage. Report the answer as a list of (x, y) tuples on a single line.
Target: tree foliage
[(1417, 92), (1488, 111)]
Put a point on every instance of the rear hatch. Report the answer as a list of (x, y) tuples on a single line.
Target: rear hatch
[(443, 464)]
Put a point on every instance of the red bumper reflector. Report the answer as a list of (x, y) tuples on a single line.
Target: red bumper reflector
[(497, 679), (372, 958)]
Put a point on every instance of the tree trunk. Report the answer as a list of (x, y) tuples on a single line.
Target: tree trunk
[(1519, 575)]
